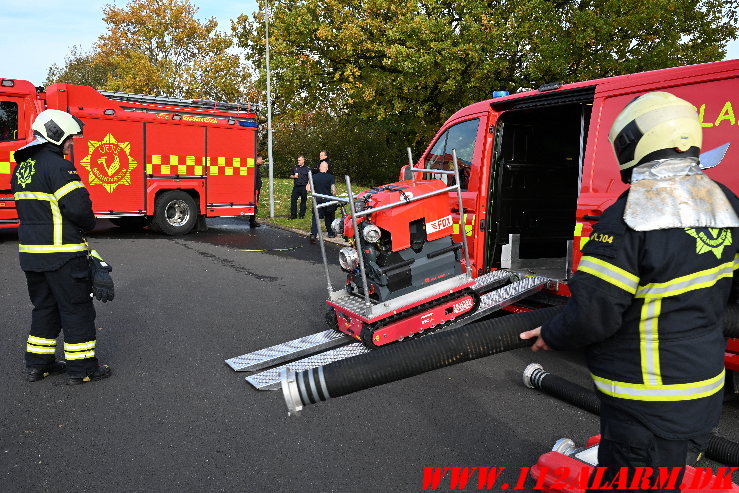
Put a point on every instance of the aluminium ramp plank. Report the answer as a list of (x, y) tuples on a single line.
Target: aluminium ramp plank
[(491, 279), (270, 379), (288, 351), (490, 302)]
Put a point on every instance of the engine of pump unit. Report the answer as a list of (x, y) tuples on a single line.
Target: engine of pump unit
[(404, 248)]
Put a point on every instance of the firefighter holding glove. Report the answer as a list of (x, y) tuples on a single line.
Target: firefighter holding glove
[(55, 210), (650, 291)]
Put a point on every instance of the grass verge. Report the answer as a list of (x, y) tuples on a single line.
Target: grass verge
[(283, 188)]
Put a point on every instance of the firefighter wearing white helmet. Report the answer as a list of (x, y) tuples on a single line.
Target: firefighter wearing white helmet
[(650, 291), (654, 126), (55, 210), (56, 126)]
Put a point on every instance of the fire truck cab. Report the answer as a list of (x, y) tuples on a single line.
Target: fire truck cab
[(537, 168), (167, 162)]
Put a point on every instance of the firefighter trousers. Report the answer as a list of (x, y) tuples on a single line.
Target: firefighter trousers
[(627, 444), (61, 300)]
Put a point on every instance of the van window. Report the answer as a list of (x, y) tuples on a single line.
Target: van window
[(8, 121), (461, 137)]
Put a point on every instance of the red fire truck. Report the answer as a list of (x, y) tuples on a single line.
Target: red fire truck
[(167, 162)]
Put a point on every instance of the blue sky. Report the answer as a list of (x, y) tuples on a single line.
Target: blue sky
[(39, 33)]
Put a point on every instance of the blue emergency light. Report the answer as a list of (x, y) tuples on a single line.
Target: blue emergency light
[(500, 94)]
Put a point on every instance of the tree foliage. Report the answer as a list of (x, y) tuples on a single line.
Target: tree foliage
[(158, 47), (80, 67), (417, 61), (365, 150)]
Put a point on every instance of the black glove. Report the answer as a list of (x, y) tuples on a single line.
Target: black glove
[(102, 283)]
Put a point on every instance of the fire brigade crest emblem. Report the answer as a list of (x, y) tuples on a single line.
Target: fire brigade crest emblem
[(25, 172), (710, 239), (109, 163)]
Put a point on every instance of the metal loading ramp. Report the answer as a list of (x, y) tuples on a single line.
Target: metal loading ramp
[(270, 379), (329, 346), (288, 351)]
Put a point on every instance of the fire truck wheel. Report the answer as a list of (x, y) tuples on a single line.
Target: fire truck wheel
[(175, 212)]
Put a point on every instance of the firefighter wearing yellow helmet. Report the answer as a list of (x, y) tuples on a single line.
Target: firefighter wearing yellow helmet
[(55, 210), (650, 291)]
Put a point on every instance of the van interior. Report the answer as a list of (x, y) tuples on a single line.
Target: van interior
[(534, 188)]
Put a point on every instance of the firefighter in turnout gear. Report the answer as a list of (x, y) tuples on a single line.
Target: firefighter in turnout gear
[(650, 291), (54, 210)]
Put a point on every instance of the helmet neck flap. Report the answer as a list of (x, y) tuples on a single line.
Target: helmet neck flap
[(675, 193)]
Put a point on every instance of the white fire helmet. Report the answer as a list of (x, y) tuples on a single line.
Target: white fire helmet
[(56, 126), (654, 126)]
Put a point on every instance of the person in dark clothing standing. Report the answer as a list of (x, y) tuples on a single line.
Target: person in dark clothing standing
[(650, 291), (54, 209), (259, 161), (323, 156), (300, 175), (324, 183)]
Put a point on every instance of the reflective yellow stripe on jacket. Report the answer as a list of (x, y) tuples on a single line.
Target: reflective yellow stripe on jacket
[(71, 247), (67, 188), (653, 294), (648, 392), (652, 388), (56, 217), (609, 273)]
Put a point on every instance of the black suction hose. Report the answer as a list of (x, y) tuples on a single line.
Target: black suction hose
[(719, 449), (399, 361), (722, 450), (534, 377)]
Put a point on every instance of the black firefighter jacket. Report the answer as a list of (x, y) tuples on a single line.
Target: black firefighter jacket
[(648, 307), (53, 206)]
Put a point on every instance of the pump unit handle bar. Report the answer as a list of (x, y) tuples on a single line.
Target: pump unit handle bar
[(367, 212), (432, 171)]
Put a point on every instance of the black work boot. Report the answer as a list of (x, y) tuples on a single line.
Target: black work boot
[(36, 374), (93, 375)]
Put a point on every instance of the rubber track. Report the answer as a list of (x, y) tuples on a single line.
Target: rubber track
[(368, 331)]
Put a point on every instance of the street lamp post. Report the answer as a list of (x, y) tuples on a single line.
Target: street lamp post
[(269, 117)]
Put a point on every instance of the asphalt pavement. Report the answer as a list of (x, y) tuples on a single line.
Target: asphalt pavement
[(175, 417)]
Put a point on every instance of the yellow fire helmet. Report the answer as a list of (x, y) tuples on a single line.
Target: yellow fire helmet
[(56, 125), (656, 125)]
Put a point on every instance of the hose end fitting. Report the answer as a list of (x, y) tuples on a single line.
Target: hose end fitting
[(290, 392), (529, 373), (564, 446)]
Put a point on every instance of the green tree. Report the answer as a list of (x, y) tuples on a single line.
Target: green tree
[(419, 61), (368, 151), (159, 47), (80, 68)]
